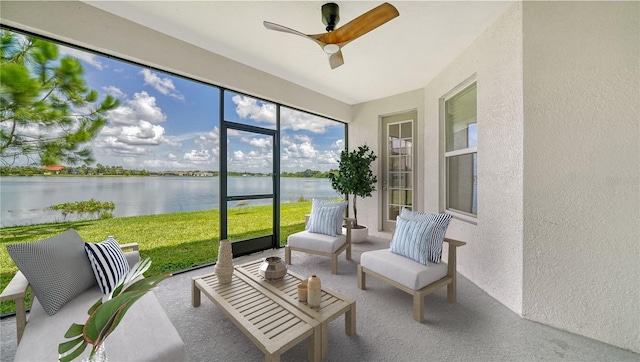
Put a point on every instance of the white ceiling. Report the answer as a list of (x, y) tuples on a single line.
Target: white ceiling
[(401, 55)]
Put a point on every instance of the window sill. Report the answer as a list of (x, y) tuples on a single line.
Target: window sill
[(463, 217)]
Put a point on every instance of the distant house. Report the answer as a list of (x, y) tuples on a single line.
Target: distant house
[(54, 168)]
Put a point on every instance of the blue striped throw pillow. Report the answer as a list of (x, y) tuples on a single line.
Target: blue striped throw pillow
[(108, 263), (411, 239), (323, 220), (317, 203), (439, 224)]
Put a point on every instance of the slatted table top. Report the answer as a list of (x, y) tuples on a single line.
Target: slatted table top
[(271, 323), (331, 306)]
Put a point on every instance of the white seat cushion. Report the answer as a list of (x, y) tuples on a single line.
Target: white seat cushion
[(401, 269), (316, 242)]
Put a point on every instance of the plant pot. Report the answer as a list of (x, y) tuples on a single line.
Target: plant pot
[(357, 235)]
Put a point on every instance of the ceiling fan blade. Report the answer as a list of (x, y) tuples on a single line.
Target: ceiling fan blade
[(284, 29), (360, 25), (336, 59)]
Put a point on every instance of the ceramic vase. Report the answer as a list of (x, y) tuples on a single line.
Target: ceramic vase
[(314, 291), (273, 268), (302, 293), (224, 266)]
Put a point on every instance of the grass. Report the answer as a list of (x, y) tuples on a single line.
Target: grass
[(174, 241)]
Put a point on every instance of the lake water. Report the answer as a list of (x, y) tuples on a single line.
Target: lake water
[(24, 200)]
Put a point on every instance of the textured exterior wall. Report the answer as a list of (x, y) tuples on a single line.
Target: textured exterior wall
[(582, 168), (81, 24), (492, 258)]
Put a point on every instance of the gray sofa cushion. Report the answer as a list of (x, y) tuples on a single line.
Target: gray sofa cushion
[(57, 268), (145, 333)]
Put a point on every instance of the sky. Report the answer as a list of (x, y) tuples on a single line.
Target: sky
[(166, 122)]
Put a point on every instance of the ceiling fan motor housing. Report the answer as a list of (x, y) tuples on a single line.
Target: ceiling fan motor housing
[(330, 15)]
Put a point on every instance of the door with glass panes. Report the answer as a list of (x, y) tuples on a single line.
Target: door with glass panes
[(397, 166)]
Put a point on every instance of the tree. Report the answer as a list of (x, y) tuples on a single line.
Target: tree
[(354, 176), (48, 114)]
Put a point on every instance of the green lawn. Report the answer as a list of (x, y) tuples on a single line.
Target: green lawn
[(174, 242)]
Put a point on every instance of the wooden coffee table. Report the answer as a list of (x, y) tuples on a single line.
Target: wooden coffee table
[(332, 304), (271, 323)]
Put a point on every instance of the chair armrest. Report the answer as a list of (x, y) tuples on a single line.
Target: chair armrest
[(129, 247), (453, 242), (451, 263), (17, 290)]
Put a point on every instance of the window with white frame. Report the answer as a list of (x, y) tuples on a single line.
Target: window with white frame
[(461, 151)]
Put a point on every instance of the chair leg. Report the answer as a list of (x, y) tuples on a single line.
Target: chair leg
[(334, 263), (361, 278), (287, 255), (418, 307), (451, 291), (349, 252)]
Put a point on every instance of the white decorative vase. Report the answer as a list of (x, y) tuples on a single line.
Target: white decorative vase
[(224, 266), (314, 291), (357, 235)]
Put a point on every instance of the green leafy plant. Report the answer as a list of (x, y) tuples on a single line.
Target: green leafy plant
[(91, 207), (105, 317), (49, 114), (354, 175)]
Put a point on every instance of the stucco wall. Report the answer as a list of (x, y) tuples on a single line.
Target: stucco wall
[(582, 168), (492, 258), (84, 25)]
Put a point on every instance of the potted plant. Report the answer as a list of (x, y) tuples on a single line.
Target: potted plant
[(354, 177)]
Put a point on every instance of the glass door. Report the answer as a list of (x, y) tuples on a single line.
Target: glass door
[(249, 181), (397, 166)]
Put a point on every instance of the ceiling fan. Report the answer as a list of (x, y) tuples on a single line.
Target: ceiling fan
[(333, 41)]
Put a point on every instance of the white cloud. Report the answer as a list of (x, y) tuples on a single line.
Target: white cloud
[(302, 156), (87, 57), (251, 108), (114, 91), (302, 138), (144, 133), (117, 147), (141, 108), (299, 121), (162, 85), (253, 160), (247, 107), (196, 156), (133, 129), (257, 142)]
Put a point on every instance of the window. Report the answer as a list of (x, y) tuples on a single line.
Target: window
[(461, 151)]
